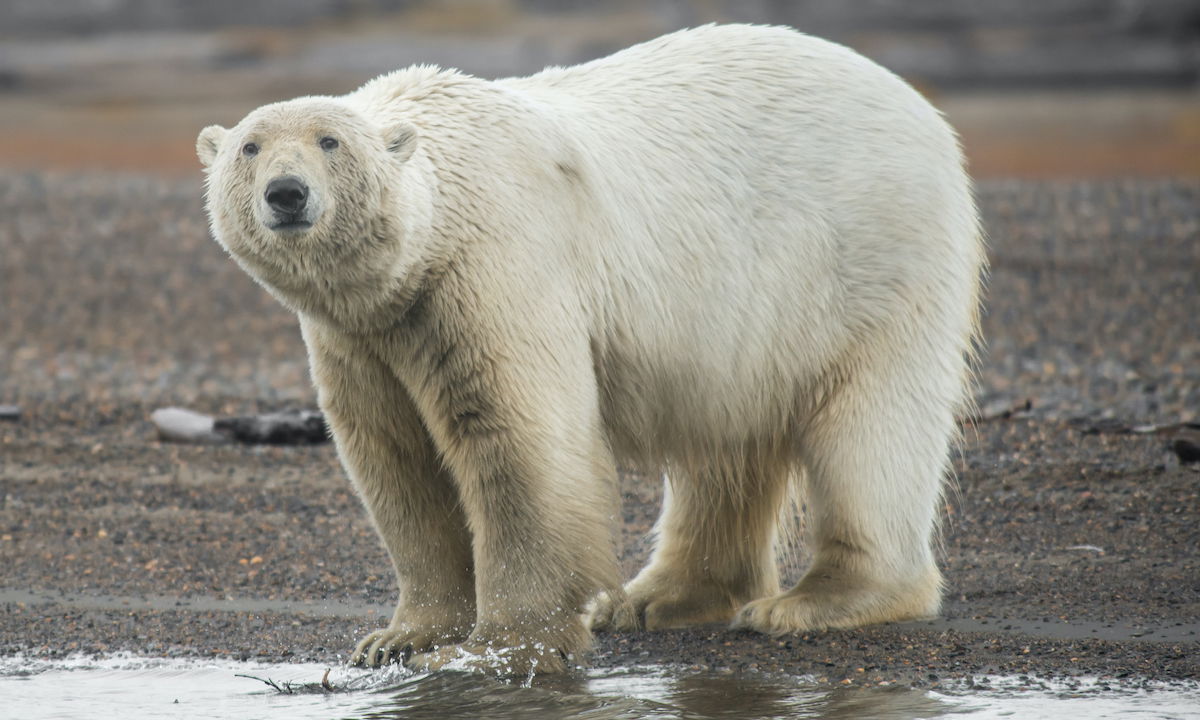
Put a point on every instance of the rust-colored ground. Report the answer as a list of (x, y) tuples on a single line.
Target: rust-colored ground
[(1029, 135)]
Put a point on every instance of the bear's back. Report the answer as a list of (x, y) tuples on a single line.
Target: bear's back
[(739, 205)]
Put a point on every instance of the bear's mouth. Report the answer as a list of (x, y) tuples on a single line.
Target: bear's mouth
[(295, 225)]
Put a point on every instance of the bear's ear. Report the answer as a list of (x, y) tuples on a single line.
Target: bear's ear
[(208, 143), (401, 140)]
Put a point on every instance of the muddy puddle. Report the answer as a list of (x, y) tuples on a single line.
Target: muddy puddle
[(134, 688)]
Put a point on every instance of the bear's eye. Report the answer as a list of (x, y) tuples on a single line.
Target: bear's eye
[(250, 149), (328, 143)]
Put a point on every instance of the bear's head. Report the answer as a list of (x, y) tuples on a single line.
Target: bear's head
[(303, 194)]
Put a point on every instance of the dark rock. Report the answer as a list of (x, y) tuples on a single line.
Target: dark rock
[(1186, 449)]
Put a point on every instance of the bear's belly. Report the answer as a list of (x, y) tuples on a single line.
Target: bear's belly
[(673, 394)]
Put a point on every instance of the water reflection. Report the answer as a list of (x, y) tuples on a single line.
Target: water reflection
[(135, 688), (762, 696), (649, 693), (732, 696), (885, 703)]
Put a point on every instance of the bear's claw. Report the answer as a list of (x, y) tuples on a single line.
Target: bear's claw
[(395, 644)]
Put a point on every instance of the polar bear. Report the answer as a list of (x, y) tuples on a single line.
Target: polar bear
[(739, 255)]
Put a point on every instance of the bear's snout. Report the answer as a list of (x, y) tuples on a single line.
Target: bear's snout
[(287, 196)]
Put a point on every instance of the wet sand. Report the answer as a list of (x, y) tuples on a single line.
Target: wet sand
[(1069, 546)]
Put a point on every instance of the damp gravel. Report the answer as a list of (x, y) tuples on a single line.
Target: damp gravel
[(1068, 542)]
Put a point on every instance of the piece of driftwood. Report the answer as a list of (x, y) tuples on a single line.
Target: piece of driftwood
[(182, 425), (1121, 427), (325, 685), (1185, 436), (290, 427)]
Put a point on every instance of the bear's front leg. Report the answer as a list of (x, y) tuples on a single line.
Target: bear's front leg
[(411, 499), (518, 426)]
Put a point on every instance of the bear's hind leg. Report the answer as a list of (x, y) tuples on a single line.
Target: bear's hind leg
[(875, 457), (714, 550)]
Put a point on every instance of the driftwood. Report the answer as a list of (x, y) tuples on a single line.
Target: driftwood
[(1120, 427), (1185, 442), (290, 427), (324, 686)]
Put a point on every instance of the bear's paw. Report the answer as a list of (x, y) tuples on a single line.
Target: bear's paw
[(823, 601), (659, 604), (397, 643)]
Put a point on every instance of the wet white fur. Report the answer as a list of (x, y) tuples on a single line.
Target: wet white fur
[(740, 254)]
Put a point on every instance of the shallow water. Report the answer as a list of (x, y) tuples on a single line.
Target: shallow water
[(135, 688)]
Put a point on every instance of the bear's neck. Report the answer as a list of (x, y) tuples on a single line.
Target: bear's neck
[(367, 292)]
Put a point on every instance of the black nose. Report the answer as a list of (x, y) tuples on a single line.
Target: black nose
[(287, 195)]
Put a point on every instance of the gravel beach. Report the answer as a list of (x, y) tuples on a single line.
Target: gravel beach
[(1069, 543)]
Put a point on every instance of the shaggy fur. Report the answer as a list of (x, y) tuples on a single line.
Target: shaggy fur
[(740, 255)]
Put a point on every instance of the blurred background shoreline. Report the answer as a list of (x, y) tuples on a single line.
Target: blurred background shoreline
[(1037, 89)]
